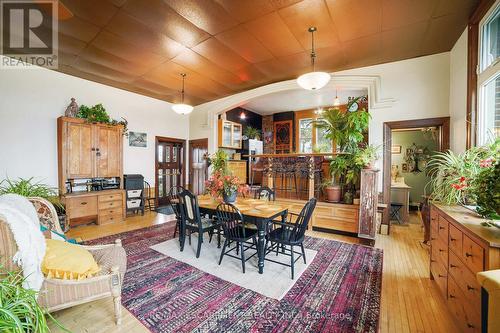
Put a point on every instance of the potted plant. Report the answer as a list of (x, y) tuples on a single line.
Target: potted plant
[(98, 114), (218, 161), (332, 189), (20, 311), (365, 157), (252, 133)]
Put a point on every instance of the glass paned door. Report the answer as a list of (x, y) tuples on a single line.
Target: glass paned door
[(226, 134), (169, 168)]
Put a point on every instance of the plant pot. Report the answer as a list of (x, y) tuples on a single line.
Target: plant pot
[(333, 193), (348, 198), (229, 198), (356, 201)]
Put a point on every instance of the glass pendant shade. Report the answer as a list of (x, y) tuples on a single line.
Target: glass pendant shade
[(313, 80), (182, 108), (336, 101)]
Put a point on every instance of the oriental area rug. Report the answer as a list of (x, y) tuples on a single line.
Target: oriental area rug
[(339, 291)]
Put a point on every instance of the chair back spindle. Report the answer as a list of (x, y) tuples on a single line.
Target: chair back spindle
[(299, 230), (232, 221)]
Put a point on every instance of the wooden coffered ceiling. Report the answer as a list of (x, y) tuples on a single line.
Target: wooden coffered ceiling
[(228, 46)]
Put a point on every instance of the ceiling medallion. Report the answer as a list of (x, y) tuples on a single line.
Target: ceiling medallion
[(182, 108), (313, 80)]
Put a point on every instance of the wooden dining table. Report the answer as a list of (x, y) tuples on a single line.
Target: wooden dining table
[(256, 211)]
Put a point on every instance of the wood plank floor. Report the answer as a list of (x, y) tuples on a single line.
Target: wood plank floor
[(411, 302)]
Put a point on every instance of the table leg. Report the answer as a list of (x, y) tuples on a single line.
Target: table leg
[(261, 251)]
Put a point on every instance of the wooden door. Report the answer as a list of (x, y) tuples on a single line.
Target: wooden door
[(108, 151), (80, 153), (169, 169), (198, 167)]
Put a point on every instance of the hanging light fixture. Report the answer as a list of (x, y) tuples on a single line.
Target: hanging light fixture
[(313, 80), (336, 101), (182, 108)]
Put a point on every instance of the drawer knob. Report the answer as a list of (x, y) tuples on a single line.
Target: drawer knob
[(453, 266), (441, 276), (452, 296), (441, 228), (83, 203), (433, 219), (470, 325), (468, 254), (452, 239), (441, 250), (469, 288)]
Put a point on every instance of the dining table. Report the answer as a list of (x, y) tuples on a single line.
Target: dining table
[(256, 211)]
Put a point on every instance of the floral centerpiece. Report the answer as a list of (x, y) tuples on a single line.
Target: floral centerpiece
[(225, 186)]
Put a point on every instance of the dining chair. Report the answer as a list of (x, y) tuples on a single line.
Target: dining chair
[(149, 198), (193, 222), (174, 202), (290, 233), (265, 192), (235, 231)]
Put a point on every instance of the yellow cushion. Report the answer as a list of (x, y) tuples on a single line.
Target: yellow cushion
[(68, 261)]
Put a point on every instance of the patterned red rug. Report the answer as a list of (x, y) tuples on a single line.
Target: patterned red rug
[(339, 292)]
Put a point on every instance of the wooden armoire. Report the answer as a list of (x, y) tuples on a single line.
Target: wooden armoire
[(88, 151)]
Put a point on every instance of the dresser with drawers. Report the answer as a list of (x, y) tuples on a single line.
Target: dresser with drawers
[(460, 248)]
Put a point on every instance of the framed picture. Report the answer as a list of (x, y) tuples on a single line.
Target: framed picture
[(137, 139), (404, 167), (396, 149)]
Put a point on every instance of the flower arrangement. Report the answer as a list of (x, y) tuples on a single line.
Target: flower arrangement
[(224, 185)]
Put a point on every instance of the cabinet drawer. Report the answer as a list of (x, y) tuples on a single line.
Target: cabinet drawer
[(439, 252), (81, 207), (134, 193), (465, 280), (455, 240), (336, 224), (469, 318), (434, 220), (473, 255), (440, 275), (443, 226), (110, 218), (110, 204), (345, 213), (112, 211), (110, 197)]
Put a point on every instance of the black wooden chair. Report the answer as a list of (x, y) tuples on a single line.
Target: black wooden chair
[(290, 233), (193, 222), (174, 202), (234, 231), (149, 198), (265, 192)]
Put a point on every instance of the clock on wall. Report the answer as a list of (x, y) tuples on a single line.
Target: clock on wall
[(352, 104)]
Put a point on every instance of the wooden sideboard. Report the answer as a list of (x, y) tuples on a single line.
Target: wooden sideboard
[(460, 248), (106, 206)]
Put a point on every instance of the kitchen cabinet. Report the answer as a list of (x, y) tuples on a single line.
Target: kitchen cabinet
[(230, 134)]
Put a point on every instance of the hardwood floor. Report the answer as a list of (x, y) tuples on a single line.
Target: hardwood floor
[(410, 300)]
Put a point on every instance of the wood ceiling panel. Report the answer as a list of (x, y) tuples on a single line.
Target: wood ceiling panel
[(330, 59), (147, 85), (310, 13), (364, 51), (218, 53), (246, 10), (120, 47), (79, 29), (251, 74), (247, 46), (70, 45), (102, 71), (446, 7), (355, 19), (96, 11), (443, 32), (403, 42), (398, 13), (140, 35), (274, 34), (157, 15), (206, 15), (277, 4)]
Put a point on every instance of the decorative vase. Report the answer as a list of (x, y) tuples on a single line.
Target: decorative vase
[(333, 193), (229, 198)]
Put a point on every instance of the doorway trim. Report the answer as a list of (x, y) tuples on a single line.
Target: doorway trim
[(444, 144), (191, 143), (183, 165)]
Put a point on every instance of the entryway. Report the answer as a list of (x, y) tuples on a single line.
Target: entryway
[(169, 166), (198, 167)]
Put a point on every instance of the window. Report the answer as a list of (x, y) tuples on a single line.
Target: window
[(305, 135), (489, 76), (323, 144)]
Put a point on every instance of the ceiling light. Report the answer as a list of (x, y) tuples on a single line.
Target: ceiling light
[(336, 101), (243, 115), (182, 108), (313, 80)]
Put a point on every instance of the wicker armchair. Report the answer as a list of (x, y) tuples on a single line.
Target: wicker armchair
[(57, 294)]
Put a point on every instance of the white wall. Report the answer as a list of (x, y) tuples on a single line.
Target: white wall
[(31, 100), (420, 87), (458, 94)]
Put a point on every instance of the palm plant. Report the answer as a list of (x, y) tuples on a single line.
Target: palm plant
[(19, 310)]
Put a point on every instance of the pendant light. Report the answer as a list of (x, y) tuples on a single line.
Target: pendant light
[(182, 108), (313, 80), (336, 101)]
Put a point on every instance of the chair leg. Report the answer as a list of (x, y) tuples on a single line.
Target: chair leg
[(222, 252), (242, 257), (210, 233), (218, 237), (237, 247), (292, 262), (200, 240), (117, 300), (176, 228), (303, 252), (277, 248)]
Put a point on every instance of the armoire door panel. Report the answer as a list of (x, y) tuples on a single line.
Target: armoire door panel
[(109, 152), (80, 159)]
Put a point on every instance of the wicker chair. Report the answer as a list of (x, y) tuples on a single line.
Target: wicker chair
[(57, 294)]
